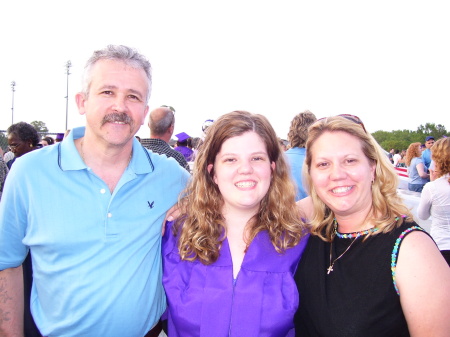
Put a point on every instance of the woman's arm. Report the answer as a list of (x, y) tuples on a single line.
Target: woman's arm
[(421, 170), (424, 208), (305, 207), (172, 214), (423, 280)]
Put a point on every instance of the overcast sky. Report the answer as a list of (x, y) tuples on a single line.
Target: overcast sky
[(386, 61)]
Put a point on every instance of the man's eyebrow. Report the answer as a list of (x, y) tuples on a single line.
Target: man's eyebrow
[(132, 91)]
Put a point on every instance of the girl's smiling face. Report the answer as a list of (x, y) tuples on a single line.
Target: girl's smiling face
[(242, 172)]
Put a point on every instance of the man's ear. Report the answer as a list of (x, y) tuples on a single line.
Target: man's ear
[(145, 115), (171, 129), (80, 99)]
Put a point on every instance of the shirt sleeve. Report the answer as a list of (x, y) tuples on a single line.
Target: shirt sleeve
[(424, 208), (13, 220)]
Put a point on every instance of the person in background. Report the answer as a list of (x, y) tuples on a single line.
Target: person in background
[(3, 173), (297, 136), (417, 172), (432, 171), (283, 144), (96, 248), (182, 146), (391, 155), (426, 153), (199, 141), (47, 140), (206, 124), (396, 157), (368, 269), (435, 198), (195, 144), (22, 138), (229, 259), (8, 155), (401, 161), (422, 148), (161, 122), (59, 137)]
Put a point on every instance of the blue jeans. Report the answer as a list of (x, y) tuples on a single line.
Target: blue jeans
[(416, 187)]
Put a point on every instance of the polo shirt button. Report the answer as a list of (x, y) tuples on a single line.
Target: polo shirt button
[(102, 191), (109, 215)]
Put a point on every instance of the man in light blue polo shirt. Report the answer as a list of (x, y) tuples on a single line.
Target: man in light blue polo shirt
[(96, 248)]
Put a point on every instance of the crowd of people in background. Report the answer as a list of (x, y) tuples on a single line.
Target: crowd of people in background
[(264, 236)]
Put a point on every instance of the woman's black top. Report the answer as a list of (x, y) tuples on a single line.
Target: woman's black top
[(357, 298)]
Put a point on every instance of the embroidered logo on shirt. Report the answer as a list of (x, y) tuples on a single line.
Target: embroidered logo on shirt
[(150, 205)]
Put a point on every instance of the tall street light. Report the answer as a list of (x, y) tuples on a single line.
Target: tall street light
[(68, 65), (13, 88)]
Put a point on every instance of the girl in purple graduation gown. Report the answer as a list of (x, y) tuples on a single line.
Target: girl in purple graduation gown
[(230, 257)]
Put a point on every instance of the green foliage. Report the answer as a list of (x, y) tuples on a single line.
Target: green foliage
[(40, 126), (401, 139)]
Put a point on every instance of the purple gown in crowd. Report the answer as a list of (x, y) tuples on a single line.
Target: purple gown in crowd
[(185, 151), (207, 301)]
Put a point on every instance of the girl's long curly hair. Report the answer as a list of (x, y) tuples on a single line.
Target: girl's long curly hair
[(201, 226), (413, 151), (387, 206)]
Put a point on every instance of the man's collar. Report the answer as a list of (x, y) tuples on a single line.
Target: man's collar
[(70, 159)]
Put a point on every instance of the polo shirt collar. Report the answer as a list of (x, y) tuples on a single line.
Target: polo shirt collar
[(70, 159)]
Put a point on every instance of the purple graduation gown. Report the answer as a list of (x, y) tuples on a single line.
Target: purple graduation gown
[(206, 301), (185, 151)]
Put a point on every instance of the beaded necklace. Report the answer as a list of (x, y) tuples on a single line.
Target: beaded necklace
[(354, 235)]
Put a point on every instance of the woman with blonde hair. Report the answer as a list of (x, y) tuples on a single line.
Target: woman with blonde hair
[(417, 172), (368, 269), (229, 259), (435, 198)]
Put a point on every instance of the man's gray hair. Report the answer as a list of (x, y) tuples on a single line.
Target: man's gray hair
[(119, 53), (159, 127)]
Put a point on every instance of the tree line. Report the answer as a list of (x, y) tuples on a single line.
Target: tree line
[(401, 139), (396, 139)]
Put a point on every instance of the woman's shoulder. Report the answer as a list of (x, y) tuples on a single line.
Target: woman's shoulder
[(407, 227), (417, 160)]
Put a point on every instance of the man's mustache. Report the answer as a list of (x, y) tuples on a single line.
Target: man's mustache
[(117, 117)]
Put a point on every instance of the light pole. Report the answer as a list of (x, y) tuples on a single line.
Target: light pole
[(68, 65), (13, 88)]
